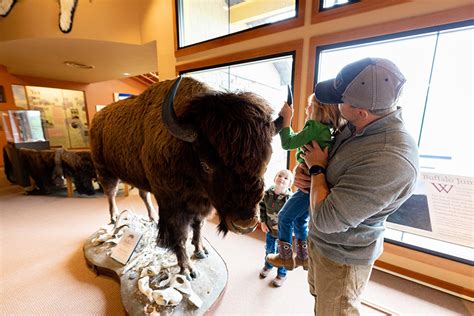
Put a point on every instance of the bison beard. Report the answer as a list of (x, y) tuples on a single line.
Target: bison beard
[(212, 153)]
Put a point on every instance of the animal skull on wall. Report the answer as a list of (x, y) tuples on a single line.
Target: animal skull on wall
[(66, 12), (6, 6)]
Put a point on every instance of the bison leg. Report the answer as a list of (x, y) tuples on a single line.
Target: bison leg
[(199, 251), (173, 234), (152, 213), (110, 185)]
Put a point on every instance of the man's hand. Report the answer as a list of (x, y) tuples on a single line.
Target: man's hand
[(286, 113), (302, 179), (313, 155), (264, 228)]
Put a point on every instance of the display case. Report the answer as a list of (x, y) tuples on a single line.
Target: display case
[(23, 129), (23, 126)]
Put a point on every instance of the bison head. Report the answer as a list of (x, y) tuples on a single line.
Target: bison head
[(231, 135)]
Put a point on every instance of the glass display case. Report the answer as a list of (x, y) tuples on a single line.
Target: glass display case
[(23, 129), (23, 126)]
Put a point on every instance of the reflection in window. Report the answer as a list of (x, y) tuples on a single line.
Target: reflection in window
[(269, 79), (437, 109), (200, 21)]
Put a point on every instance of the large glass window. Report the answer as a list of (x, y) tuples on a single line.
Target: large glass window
[(327, 4), (437, 103), (268, 78), (203, 20)]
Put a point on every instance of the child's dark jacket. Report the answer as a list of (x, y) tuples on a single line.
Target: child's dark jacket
[(270, 206)]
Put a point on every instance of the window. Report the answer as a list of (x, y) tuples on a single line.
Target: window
[(328, 4), (200, 21), (437, 106), (268, 78), (326, 10)]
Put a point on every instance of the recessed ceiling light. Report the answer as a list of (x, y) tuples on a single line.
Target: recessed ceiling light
[(75, 64), (126, 73)]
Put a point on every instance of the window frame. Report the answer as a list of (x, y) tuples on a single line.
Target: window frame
[(360, 6), (403, 261), (322, 9), (294, 48), (240, 36)]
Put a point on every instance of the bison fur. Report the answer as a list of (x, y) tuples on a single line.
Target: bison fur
[(49, 167), (200, 150)]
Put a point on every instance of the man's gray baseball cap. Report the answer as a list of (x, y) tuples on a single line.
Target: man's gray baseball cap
[(370, 83)]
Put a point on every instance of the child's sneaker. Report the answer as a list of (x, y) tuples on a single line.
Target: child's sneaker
[(279, 280), (264, 273)]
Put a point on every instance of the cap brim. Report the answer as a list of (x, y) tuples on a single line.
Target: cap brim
[(326, 93)]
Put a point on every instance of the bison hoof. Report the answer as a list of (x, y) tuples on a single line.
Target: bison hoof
[(205, 250), (200, 254), (194, 274)]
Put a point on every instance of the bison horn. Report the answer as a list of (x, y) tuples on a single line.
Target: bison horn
[(278, 123), (178, 130)]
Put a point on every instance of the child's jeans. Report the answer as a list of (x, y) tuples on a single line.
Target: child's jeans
[(294, 216), (270, 247)]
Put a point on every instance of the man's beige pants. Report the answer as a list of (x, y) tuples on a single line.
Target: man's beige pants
[(337, 288)]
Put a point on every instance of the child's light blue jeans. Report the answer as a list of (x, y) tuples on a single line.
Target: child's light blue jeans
[(294, 216)]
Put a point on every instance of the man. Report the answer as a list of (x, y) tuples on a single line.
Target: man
[(369, 172)]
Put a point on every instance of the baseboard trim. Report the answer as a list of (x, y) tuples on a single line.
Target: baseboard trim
[(441, 285)]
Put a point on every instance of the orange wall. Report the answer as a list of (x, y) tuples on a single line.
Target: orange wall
[(95, 93)]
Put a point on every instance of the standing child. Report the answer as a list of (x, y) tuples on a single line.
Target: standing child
[(322, 121), (273, 200)]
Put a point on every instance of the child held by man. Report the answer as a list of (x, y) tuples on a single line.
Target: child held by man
[(273, 200), (322, 122)]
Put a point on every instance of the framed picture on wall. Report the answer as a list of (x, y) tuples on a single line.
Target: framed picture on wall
[(120, 96)]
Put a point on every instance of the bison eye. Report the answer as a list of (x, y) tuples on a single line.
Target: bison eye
[(206, 167)]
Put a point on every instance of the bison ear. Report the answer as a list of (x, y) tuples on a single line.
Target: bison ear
[(177, 129)]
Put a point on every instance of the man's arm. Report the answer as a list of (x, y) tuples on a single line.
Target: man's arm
[(302, 179), (361, 193), (319, 190), (314, 156)]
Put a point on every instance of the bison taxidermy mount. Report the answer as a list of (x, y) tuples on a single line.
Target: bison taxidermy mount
[(193, 148)]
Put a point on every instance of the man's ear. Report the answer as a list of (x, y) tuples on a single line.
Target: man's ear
[(363, 113)]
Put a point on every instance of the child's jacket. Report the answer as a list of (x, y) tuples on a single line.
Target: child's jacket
[(270, 206), (312, 130)]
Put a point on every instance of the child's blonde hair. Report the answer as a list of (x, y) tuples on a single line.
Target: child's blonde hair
[(326, 113), (288, 173)]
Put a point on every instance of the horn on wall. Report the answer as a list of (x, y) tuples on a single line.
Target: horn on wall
[(178, 130), (66, 14)]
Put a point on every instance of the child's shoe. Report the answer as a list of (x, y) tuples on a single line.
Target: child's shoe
[(284, 257), (264, 272), (301, 259), (279, 280)]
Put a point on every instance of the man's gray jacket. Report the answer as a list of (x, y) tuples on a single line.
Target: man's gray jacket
[(369, 175)]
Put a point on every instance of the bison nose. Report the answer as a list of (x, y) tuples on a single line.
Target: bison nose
[(245, 226)]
